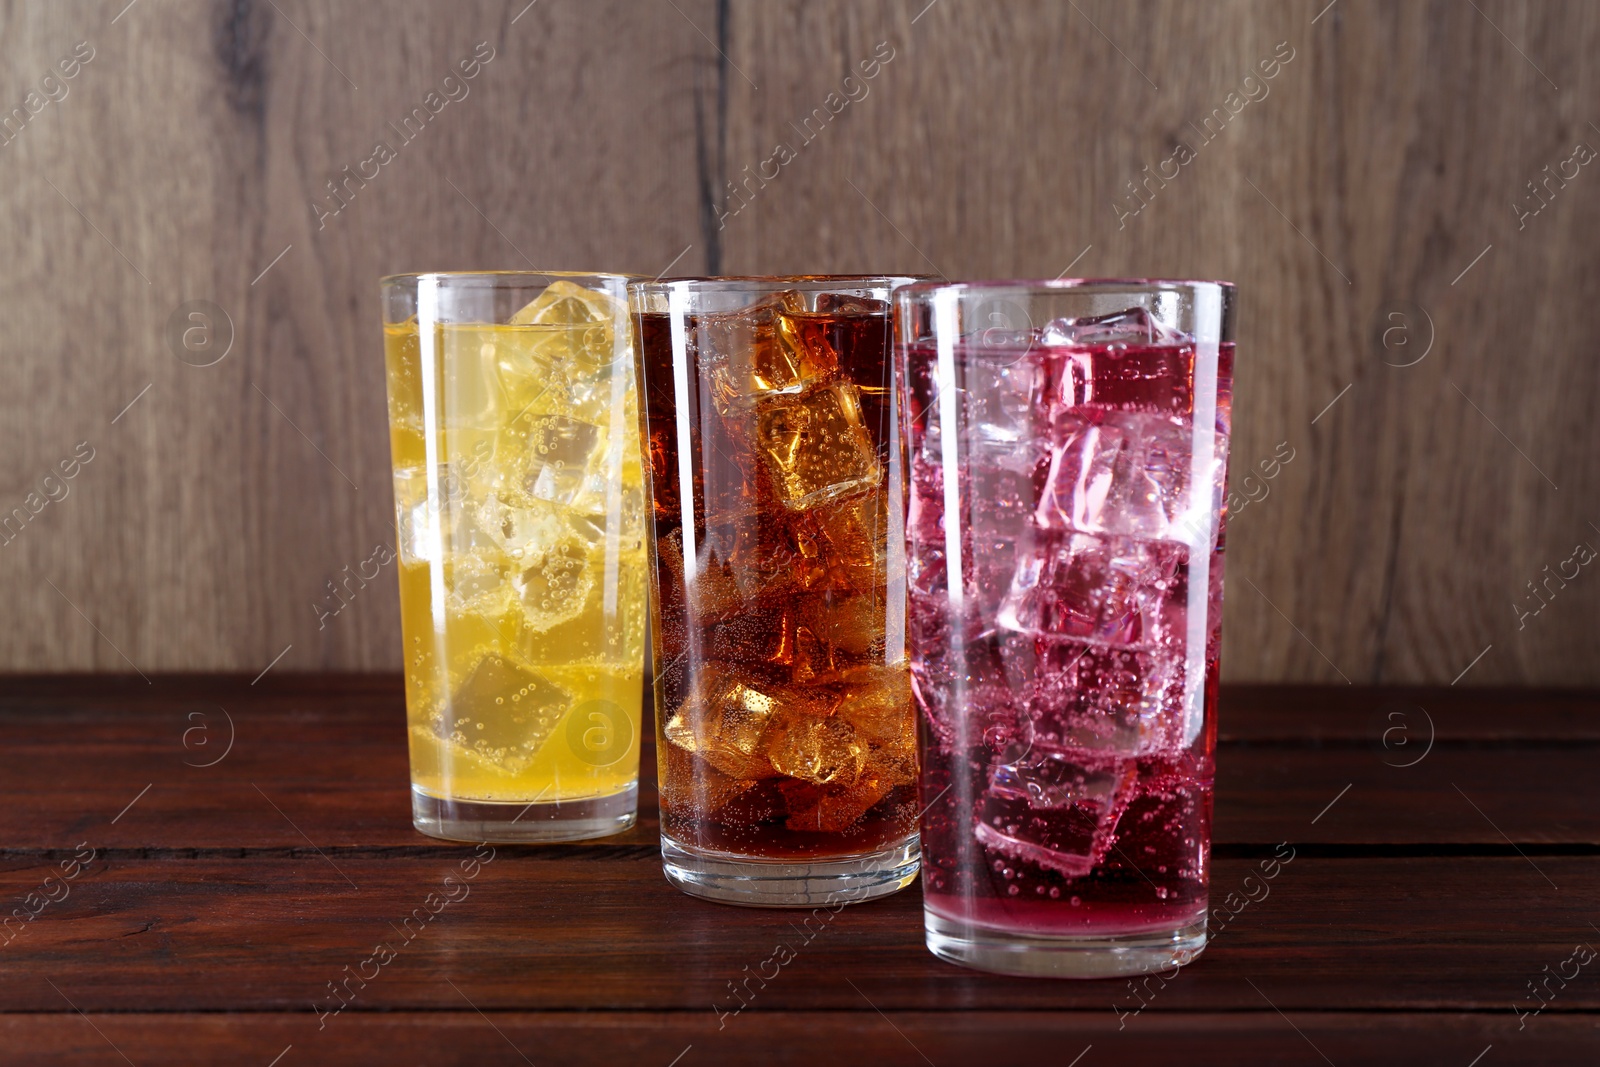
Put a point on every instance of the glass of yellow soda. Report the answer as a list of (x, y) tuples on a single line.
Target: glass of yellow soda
[(520, 510)]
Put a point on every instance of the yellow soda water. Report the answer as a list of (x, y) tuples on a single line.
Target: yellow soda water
[(519, 498)]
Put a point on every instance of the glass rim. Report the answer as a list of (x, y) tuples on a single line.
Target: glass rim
[(757, 282), (491, 276), (1052, 285)]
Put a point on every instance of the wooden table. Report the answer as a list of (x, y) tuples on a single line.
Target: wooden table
[(1437, 870)]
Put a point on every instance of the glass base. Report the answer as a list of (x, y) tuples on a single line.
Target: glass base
[(510, 823), (1043, 956), (797, 883)]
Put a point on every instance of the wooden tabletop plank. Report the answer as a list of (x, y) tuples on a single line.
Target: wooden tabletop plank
[(354, 796), (322, 762), (799, 1039), (592, 932), (1437, 872)]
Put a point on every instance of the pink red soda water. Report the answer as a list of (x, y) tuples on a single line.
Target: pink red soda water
[(1063, 623)]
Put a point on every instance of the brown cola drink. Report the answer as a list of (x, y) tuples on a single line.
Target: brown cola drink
[(786, 735)]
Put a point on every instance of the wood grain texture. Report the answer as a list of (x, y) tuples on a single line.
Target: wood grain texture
[(797, 1039), (1383, 160), (596, 933), (294, 764), (197, 142), (209, 923)]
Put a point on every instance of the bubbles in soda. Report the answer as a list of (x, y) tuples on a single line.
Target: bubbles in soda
[(1064, 646)]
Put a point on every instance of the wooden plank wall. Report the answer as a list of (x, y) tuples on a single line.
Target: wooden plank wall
[(1424, 345)]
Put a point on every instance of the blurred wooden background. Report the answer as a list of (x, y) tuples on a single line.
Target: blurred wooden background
[(1416, 327)]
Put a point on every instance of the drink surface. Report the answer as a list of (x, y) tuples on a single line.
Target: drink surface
[(520, 508), (1064, 641), (782, 696)]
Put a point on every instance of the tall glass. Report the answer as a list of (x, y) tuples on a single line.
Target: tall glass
[(519, 501), (1068, 446), (786, 738)]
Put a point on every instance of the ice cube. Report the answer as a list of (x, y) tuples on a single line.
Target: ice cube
[(1095, 588), (597, 390), (998, 498), (592, 636), (522, 533), (894, 763), (418, 542), (1003, 342), (761, 555), (546, 457), (469, 393), (1135, 326), (476, 581), (1005, 481), (725, 722), (560, 351), (1089, 698), (1140, 378), (596, 529), (790, 641), (760, 637), (833, 809), (504, 711), (814, 662), (1009, 406), (436, 662), (849, 625), (588, 319), (431, 528), (729, 479), (1121, 473), (691, 788), (815, 747), (1052, 781), (778, 638), (555, 469), (608, 508), (815, 446), (552, 582), (757, 352), (1053, 811), (853, 535), (1002, 483), (838, 328), (960, 687), (845, 304), (877, 702), (528, 360), (533, 363)]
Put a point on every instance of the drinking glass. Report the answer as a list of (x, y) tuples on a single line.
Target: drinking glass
[(1068, 446), (519, 503), (786, 738)]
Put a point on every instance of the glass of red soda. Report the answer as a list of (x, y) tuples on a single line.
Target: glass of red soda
[(1066, 448)]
